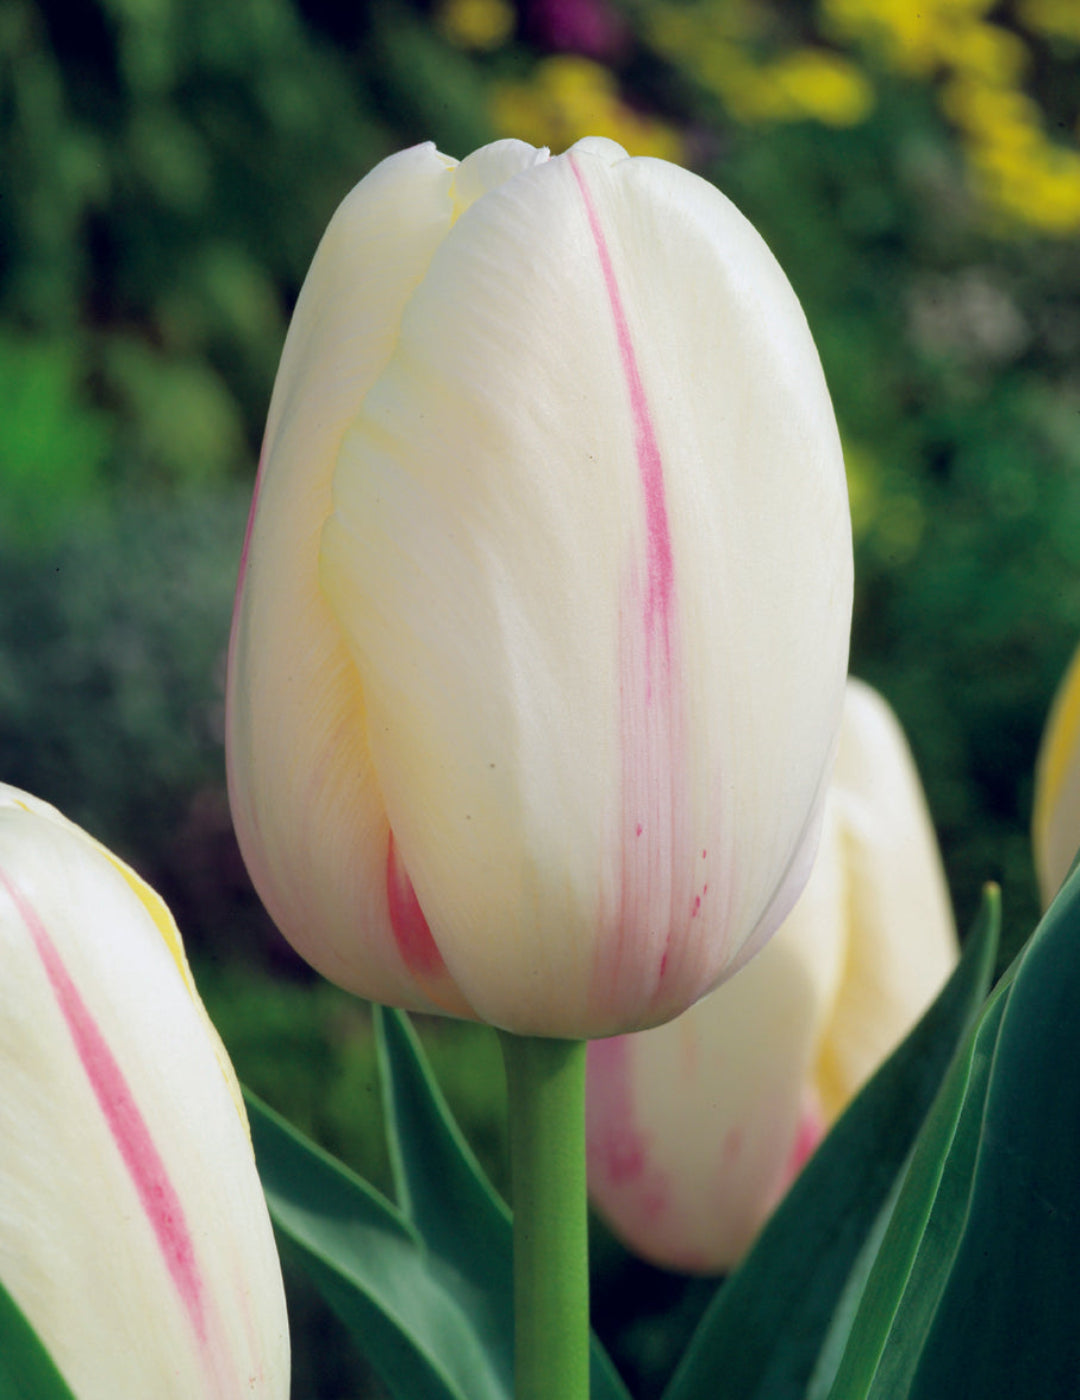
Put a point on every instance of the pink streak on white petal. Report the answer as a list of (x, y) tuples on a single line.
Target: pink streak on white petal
[(418, 949), (615, 1147), (415, 941), (661, 570), (808, 1135), (619, 1156), (656, 898), (148, 1173)]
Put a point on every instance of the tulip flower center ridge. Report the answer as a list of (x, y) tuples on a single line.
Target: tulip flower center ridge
[(656, 897), (127, 1125)]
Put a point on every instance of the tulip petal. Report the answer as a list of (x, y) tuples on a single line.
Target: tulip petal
[(697, 1127), (902, 945), (133, 1230), (592, 579), (491, 166), (305, 799), (1056, 819)]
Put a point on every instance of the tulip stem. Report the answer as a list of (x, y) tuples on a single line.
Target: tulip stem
[(545, 1081)]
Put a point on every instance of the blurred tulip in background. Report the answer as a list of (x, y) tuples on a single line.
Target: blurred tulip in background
[(696, 1129), (1056, 818), (542, 625), (134, 1235)]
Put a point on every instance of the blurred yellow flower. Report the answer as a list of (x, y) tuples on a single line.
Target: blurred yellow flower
[(570, 97), (1059, 19), (714, 44), (476, 24), (1015, 169), (1022, 178), (983, 51), (809, 83), (907, 35)]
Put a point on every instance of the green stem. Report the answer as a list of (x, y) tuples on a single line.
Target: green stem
[(545, 1081)]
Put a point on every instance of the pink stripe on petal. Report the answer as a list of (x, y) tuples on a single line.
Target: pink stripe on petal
[(418, 949), (148, 1173), (634, 1191), (661, 569), (656, 898), (415, 941), (808, 1135), (616, 1148)]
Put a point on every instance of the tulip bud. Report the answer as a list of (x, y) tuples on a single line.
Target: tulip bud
[(541, 630), (697, 1128), (134, 1235), (1056, 818)]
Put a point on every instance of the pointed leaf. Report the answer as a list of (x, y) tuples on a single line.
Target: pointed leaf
[(912, 1264), (27, 1371), (409, 1314), (441, 1187), (975, 1290), (766, 1327), (1020, 1244), (445, 1194)]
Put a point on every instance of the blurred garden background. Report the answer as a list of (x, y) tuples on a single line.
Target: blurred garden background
[(166, 170)]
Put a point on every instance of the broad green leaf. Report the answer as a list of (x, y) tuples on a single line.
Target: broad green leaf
[(27, 1371), (762, 1335), (411, 1316), (441, 1187), (847, 1307), (1019, 1253), (912, 1264), (976, 1289), (448, 1199)]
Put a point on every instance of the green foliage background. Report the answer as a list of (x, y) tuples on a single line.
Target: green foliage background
[(166, 170)]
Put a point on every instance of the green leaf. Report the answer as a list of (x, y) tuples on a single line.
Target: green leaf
[(762, 1335), (443, 1191), (448, 1199), (27, 1371), (440, 1185), (410, 1314), (909, 1272), (976, 1289)]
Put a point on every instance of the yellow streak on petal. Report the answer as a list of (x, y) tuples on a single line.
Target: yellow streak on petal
[(1056, 762), (163, 920), (165, 924)]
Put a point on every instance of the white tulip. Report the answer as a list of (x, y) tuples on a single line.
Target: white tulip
[(542, 627), (134, 1235)]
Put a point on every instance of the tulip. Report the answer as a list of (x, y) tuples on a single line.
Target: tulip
[(541, 630), (134, 1235), (696, 1129), (1056, 817)]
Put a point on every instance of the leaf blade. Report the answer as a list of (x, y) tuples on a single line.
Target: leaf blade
[(765, 1328), (448, 1199), (404, 1309), (1018, 1247), (27, 1371)]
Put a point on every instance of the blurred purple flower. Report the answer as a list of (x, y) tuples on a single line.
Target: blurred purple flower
[(590, 27)]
